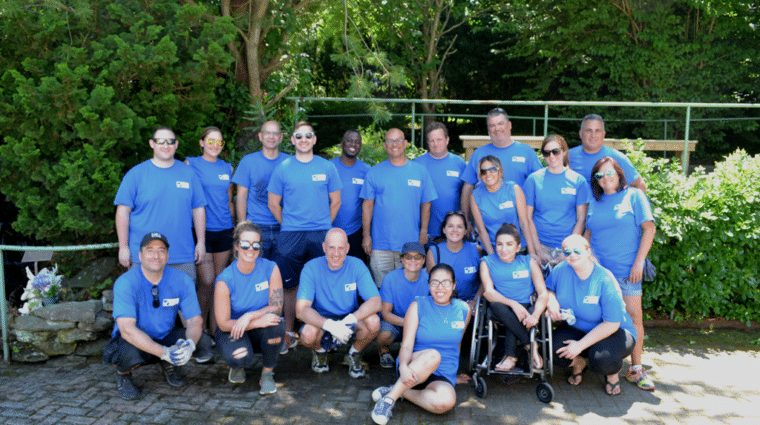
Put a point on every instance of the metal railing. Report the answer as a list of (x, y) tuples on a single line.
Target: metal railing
[(4, 303), (546, 104)]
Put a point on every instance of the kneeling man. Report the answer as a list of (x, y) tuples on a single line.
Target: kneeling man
[(328, 301)]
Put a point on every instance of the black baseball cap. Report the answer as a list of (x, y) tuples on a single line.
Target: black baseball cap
[(153, 236)]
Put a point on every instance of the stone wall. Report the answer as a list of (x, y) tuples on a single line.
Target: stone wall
[(60, 329)]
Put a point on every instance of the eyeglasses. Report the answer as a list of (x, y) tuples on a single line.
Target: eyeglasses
[(555, 152), (447, 284), (154, 292), (300, 136), (245, 245), (270, 133), (394, 141), (213, 142), (493, 169), (164, 141), (570, 251), (415, 257), (600, 175)]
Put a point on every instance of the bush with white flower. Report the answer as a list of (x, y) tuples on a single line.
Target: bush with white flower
[(45, 285)]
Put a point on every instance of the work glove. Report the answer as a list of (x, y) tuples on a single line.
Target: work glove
[(340, 332), (182, 355)]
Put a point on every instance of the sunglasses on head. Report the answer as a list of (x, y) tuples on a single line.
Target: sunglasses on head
[(300, 136), (154, 292), (569, 251), (555, 152), (212, 142), (164, 141), (493, 169), (600, 175), (245, 245)]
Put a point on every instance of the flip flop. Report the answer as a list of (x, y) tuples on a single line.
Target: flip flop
[(574, 376), (609, 387)]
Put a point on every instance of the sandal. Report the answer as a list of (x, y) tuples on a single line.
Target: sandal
[(573, 379), (538, 361), (639, 377), (505, 365), (610, 388)]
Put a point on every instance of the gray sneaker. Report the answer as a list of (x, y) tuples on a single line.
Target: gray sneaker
[(355, 367), (236, 375), (127, 389), (319, 362), (173, 374), (381, 392), (382, 411), (267, 383), (386, 360)]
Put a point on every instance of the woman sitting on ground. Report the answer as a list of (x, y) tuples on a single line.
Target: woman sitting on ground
[(429, 356), (509, 280)]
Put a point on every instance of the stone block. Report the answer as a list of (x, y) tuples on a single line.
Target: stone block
[(84, 311), (99, 325), (33, 337), (108, 296), (73, 335), (94, 273), (34, 323), (26, 353), (55, 348), (91, 349)]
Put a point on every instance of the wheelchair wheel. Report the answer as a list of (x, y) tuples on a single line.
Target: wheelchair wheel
[(480, 386), (544, 392)]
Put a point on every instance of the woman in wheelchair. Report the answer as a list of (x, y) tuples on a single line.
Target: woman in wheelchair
[(509, 280), (598, 327), (429, 357)]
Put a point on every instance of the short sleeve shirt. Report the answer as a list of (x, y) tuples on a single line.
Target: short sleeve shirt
[(498, 208), (253, 173), (446, 174), (215, 180), (335, 293), (582, 162), (349, 217), (517, 159), (400, 292), (465, 263)]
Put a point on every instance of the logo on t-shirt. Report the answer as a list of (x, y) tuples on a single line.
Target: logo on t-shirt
[(591, 299), (350, 287), (518, 159), (452, 173), (319, 177), (505, 205), (415, 183), (183, 185), (224, 176), (470, 270), (520, 274), (357, 181), (262, 286), (568, 191), (170, 302), (457, 324)]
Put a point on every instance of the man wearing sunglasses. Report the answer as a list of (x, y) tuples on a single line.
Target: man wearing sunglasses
[(147, 300), (517, 159), (592, 149), (252, 179), (165, 194)]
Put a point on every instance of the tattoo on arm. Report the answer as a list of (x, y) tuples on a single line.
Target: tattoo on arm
[(275, 298)]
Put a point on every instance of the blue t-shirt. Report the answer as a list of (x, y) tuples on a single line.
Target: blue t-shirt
[(349, 217), (398, 193), (517, 159), (441, 328), (615, 225), (254, 172), (446, 175), (162, 200), (248, 292), (335, 293), (465, 264), (582, 162), (554, 198), (512, 280), (498, 208), (593, 300), (400, 292), (215, 179), (305, 188), (132, 298)]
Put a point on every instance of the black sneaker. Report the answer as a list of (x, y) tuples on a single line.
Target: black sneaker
[(127, 389), (203, 351), (173, 374)]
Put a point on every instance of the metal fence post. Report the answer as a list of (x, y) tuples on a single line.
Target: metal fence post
[(685, 156), (4, 311)]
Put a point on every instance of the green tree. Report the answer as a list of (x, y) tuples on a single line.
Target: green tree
[(84, 83)]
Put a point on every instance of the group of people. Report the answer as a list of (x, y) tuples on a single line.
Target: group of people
[(308, 227)]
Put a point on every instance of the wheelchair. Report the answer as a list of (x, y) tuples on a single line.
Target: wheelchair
[(487, 335)]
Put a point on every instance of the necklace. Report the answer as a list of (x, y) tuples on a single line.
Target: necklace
[(445, 319)]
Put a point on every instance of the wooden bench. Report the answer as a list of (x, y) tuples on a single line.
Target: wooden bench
[(471, 143)]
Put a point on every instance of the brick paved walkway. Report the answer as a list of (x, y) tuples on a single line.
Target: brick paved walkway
[(693, 386)]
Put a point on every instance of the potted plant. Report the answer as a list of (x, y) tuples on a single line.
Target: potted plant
[(41, 290)]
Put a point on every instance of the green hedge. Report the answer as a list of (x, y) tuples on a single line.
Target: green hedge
[(707, 237)]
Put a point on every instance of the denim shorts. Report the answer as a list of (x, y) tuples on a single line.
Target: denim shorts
[(629, 289)]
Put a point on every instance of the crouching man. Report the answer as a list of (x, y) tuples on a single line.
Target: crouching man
[(147, 300), (328, 301)]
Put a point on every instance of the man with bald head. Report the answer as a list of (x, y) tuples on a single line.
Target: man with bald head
[(328, 301), (396, 209)]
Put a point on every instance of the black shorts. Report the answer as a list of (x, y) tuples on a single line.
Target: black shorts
[(431, 378), (218, 241)]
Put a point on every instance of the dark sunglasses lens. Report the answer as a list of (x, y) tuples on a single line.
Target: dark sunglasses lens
[(256, 246), (154, 292), (599, 176)]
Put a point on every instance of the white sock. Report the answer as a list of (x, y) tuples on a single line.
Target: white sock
[(352, 351), (321, 350)]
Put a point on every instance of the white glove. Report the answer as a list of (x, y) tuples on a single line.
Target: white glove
[(166, 354), (182, 355), (339, 331), (350, 319)]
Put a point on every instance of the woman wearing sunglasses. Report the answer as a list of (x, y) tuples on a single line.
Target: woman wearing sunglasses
[(495, 202), (597, 326), (248, 304), (620, 228), (557, 199), (509, 281), (214, 175)]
